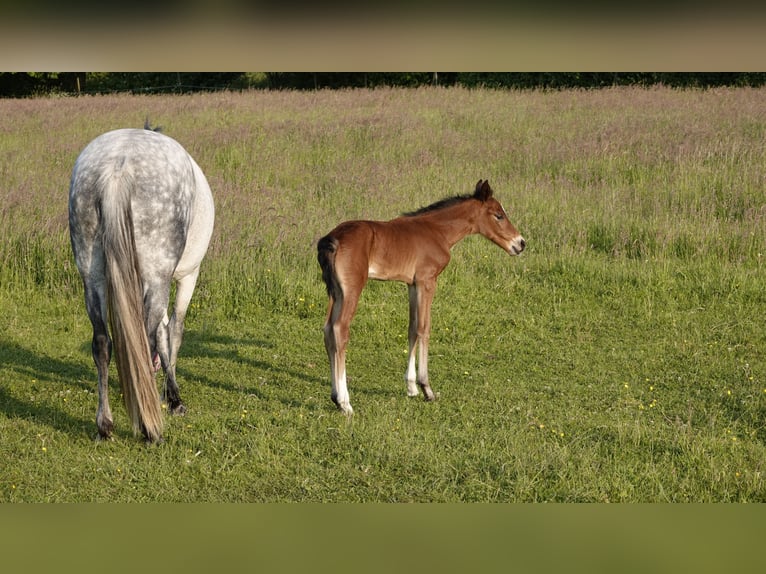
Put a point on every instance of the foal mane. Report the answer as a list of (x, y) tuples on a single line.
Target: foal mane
[(482, 193), (441, 204)]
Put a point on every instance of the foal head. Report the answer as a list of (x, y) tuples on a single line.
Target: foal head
[(492, 221)]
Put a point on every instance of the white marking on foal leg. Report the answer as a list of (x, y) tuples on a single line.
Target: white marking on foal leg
[(337, 359), (423, 367), (411, 377), (342, 399)]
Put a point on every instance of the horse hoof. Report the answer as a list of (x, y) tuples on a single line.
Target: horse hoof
[(178, 410), (342, 406), (346, 409), (105, 429)]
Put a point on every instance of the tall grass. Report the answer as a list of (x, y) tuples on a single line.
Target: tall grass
[(619, 359)]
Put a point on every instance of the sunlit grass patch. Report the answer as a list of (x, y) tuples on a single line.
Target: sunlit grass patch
[(618, 359)]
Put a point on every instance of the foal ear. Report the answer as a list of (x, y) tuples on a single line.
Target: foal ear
[(483, 191)]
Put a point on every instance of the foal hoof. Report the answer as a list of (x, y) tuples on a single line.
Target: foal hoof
[(344, 407)]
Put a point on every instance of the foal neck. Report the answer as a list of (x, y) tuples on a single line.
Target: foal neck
[(455, 221)]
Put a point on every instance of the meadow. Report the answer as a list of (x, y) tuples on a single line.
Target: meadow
[(620, 358)]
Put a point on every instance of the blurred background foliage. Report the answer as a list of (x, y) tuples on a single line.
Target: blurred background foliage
[(25, 84)]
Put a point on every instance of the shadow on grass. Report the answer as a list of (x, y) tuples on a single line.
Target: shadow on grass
[(205, 346), (26, 365), (31, 368)]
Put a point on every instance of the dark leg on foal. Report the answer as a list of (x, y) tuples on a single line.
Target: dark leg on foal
[(330, 347), (335, 341), (410, 375)]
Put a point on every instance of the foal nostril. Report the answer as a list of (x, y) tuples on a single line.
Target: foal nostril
[(522, 244)]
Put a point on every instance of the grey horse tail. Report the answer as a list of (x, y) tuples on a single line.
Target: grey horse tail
[(126, 309), (326, 249)]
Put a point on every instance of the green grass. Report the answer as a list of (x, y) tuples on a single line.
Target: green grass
[(619, 359)]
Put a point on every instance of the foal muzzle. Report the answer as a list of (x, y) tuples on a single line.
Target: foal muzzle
[(517, 245)]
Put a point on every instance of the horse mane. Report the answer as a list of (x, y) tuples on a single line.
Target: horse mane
[(148, 126), (441, 204)]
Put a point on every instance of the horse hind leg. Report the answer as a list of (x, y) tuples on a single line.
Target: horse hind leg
[(336, 332), (156, 300), (335, 344), (167, 351), (172, 394), (101, 348), (184, 291), (412, 339), (331, 347)]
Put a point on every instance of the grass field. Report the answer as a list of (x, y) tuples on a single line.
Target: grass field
[(619, 359)]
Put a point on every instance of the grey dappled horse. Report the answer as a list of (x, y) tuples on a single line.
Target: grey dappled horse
[(140, 214)]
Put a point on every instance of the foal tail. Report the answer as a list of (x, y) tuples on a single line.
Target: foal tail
[(125, 298), (326, 249)]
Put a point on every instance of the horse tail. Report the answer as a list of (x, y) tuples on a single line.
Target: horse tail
[(326, 249), (125, 299)]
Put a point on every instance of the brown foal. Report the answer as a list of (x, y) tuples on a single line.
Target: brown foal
[(413, 248)]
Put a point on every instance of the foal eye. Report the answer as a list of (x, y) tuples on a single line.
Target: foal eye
[(499, 216)]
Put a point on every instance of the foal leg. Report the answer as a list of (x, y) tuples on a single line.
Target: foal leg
[(336, 340), (425, 296), (330, 346), (101, 347), (412, 340)]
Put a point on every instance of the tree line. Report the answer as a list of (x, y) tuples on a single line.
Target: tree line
[(25, 84)]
